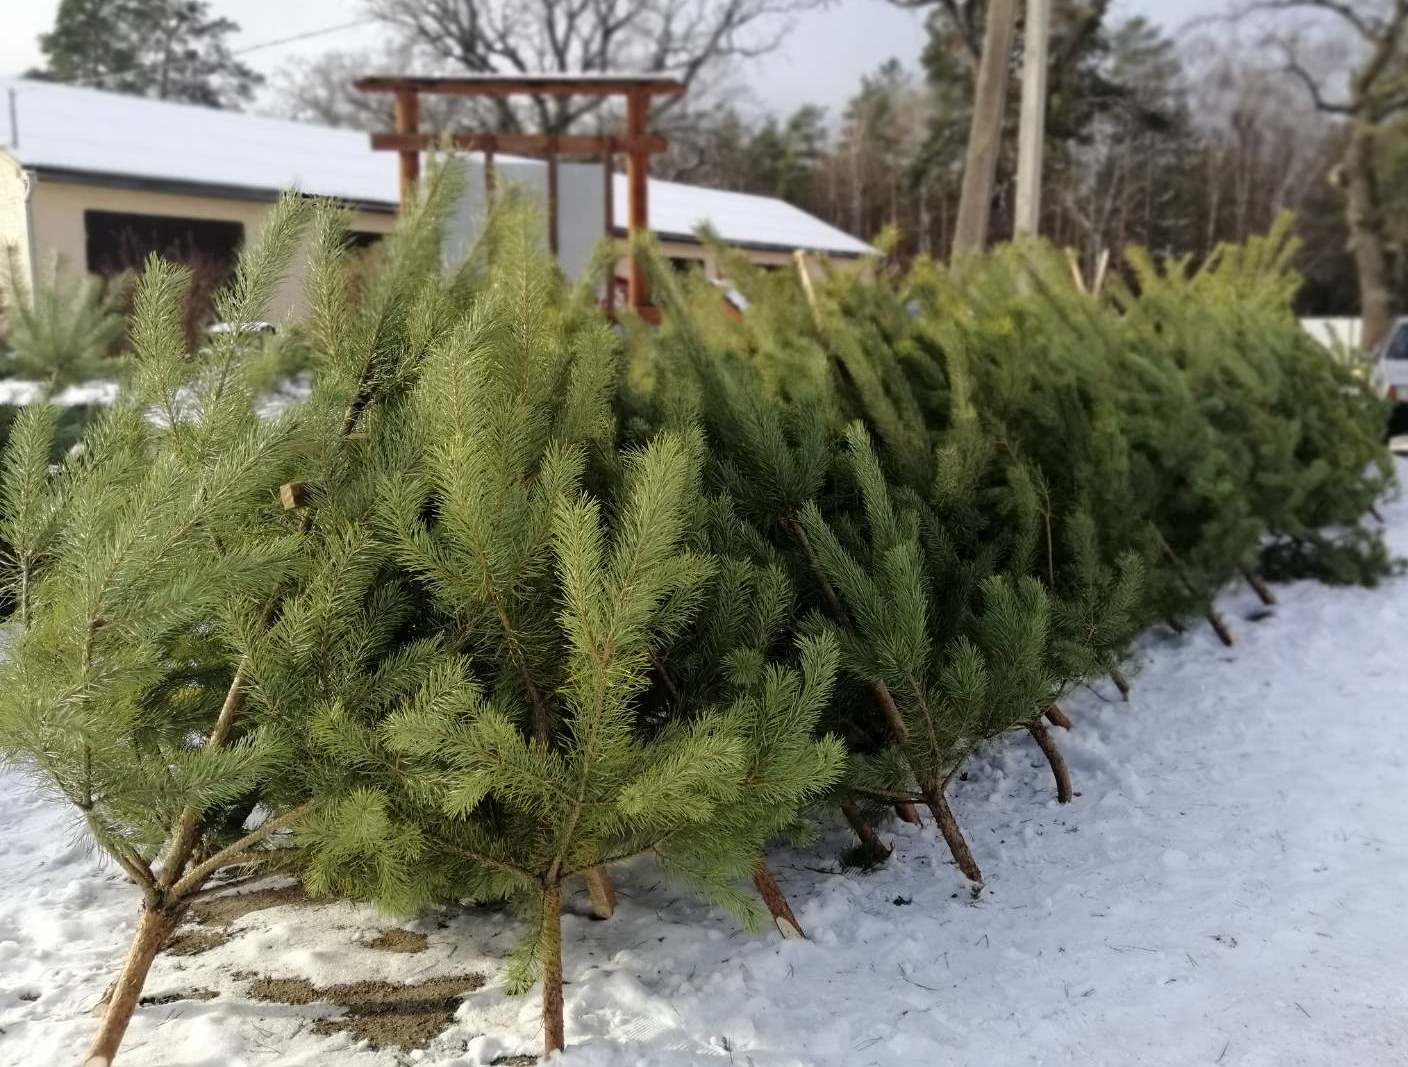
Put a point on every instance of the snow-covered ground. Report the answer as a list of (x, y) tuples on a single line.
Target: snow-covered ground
[(1227, 888)]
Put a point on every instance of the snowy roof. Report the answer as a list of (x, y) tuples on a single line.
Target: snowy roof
[(87, 131), (678, 210), (108, 135)]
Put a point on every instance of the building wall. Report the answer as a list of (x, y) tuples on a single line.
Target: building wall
[(14, 217), (581, 207), (57, 229)]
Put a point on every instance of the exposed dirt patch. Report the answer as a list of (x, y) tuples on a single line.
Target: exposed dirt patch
[(223, 911), (194, 941), (382, 1013), (396, 940), (172, 998), (514, 1061)]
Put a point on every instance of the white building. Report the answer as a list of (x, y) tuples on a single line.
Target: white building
[(98, 180)]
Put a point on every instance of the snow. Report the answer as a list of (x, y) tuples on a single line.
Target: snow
[(18, 392), (678, 210), (1225, 889)]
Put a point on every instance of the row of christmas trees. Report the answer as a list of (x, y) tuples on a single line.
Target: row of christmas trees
[(517, 594)]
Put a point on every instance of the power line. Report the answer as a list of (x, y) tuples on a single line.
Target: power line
[(303, 36), (139, 67)]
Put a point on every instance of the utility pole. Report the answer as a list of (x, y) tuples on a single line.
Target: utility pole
[(1031, 134), (985, 134)]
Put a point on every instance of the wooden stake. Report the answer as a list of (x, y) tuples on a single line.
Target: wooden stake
[(782, 917), (1102, 267), (407, 112), (552, 199), (804, 273), (638, 192), (608, 214), (1077, 275)]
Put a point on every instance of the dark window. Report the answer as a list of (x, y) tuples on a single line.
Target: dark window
[(360, 239), (119, 240), (685, 263), (1398, 344)]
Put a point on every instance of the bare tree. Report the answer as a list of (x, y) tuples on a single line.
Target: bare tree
[(1374, 90), (688, 39)]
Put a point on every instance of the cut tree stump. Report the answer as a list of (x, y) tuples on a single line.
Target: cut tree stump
[(782, 917), (937, 801), (1059, 771), (602, 892), (1220, 628), (871, 851), (1259, 587), (1121, 683)]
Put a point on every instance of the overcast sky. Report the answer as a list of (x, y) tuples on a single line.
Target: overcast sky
[(821, 62)]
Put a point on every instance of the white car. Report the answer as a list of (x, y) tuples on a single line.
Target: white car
[(1391, 370)]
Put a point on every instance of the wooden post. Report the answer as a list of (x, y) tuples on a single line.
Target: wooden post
[(1032, 132), (552, 198), (637, 178), (408, 121), (608, 214), (489, 182), (985, 133)]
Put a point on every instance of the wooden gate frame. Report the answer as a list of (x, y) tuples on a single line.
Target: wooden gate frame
[(637, 145)]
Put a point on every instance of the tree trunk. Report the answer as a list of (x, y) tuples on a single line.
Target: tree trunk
[(1262, 590), (873, 851), (907, 812), (782, 917), (1220, 628), (602, 892), (550, 953), (153, 929), (985, 132), (1057, 717), (1121, 683), (1176, 626), (1053, 755), (953, 836), (1367, 241)]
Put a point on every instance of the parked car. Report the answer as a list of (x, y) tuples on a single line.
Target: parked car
[(1391, 372)]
